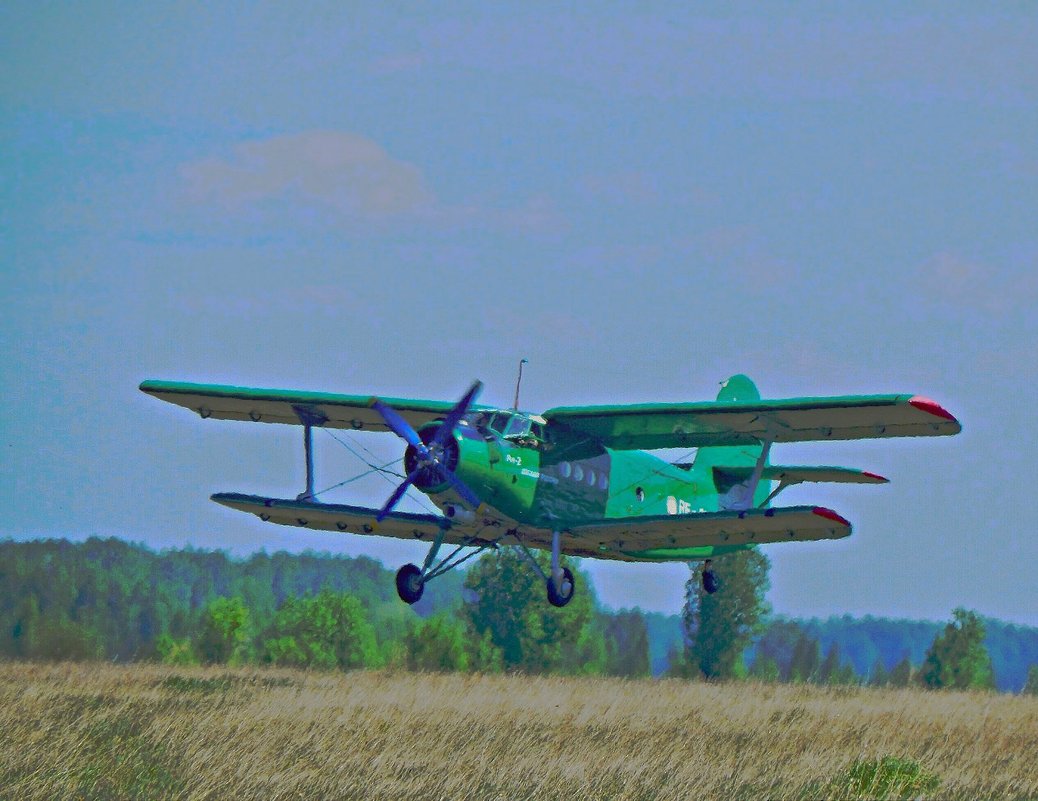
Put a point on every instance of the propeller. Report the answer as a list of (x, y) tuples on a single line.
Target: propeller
[(430, 456)]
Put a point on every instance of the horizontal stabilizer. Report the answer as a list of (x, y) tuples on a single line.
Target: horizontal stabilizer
[(347, 519), (803, 473)]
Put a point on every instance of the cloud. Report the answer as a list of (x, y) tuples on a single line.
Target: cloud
[(321, 180), (960, 282), (333, 171), (620, 188)]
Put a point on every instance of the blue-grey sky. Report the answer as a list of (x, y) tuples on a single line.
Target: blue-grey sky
[(834, 198)]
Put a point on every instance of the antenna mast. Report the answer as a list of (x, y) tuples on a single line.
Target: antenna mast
[(518, 381)]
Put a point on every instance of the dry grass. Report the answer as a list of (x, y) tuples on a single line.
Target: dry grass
[(100, 731)]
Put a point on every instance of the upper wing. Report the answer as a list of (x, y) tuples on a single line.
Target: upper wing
[(674, 537), (680, 425), (292, 406)]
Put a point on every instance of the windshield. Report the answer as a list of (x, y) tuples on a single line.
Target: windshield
[(518, 426)]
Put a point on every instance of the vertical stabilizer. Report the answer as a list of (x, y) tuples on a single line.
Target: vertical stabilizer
[(730, 466)]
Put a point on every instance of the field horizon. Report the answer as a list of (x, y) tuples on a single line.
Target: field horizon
[(97, 730)]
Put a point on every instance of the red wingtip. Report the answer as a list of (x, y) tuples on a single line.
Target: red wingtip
[(932, 407), (829, 514), (877, 476)]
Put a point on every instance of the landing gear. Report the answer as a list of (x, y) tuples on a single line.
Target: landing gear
[(411, 579), (710, 582), (409, 583), (559, 581), (561, 596)]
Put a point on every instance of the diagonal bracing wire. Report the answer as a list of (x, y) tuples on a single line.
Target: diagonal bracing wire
[(374, 468)]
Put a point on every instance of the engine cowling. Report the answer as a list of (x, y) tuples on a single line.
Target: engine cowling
[(428, 478)]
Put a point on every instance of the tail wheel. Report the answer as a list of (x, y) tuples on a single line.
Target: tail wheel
[(557, 597), (409, 584)]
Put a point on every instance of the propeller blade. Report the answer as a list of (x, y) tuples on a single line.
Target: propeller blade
[(471, 498), (398, 493), (400, 427), (460, 409)]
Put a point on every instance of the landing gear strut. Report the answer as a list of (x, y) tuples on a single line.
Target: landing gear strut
[(411, 579), (560, 584)]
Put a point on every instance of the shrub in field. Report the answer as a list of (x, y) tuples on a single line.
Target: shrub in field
[(173, 651), (886, 778), (225, 631), (438, 644), (328, 630)]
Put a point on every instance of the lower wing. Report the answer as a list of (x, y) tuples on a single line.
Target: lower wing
[(682, 537), (656, 538), (360, 519)]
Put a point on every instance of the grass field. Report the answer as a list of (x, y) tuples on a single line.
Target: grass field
[(109, 732)]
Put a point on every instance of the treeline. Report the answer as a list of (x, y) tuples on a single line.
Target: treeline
[(108, 599)]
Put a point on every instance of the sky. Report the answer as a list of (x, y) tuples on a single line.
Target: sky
[(641, 201)]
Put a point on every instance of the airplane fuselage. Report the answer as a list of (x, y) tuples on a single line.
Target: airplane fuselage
[(571, 481)]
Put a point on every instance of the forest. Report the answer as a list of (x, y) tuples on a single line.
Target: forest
[(107, 599)]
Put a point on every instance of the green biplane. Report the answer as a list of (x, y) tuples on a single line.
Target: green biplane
[(576, 480)]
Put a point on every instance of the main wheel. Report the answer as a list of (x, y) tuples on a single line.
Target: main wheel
[(409, 584), (710, 582), (557, 598)]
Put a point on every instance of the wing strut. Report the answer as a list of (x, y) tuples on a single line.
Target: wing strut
[(309, 418), (746, 501), (308, 453)]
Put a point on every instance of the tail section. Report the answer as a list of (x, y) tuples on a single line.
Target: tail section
[(730, 467)]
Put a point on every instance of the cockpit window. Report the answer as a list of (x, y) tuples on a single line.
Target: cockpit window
[(499, 423), (518, 426)]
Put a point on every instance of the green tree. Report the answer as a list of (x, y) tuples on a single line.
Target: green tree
[(225, 632), (511, 605), (845, 674), (437, 644), (626, 643), (719, 626), (1031, 685), (958, 659), (901, 674), (484, 656), (806, 661), (878, 676), (778, 643), (329, 630), (174, 651), (764, 669), (829, 670)]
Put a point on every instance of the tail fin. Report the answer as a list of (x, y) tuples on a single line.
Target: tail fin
[(730, 466)]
